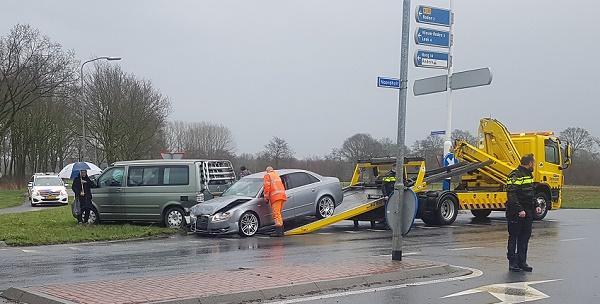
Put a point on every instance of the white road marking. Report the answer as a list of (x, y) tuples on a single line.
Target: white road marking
[(474, 274), (450, 226), (194, 241), (75, 248), (325, 233), (377, 230), (263, 237), (350, 231), (427, 227), (464, 248), (231, 240), (509, 293), (570, 240), (29, 251)]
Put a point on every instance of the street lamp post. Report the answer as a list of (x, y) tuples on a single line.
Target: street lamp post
[(82, 148)]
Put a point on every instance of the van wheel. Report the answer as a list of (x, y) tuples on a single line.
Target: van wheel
[(174, 218), (94, 218), (481, 214), (542, 200)]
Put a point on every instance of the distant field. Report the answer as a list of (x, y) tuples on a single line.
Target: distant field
[(581, 197), (574, 197)]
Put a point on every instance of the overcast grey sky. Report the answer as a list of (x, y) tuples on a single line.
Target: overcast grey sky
[(306, 70)]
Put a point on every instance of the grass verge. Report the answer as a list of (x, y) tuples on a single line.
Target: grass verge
[(56, 225), (581, 197), (11, 198)]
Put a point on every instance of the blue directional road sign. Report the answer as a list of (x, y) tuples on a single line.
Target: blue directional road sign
[(431, 37), (434, 133), (429, 59), (433, 15), (393, 83)]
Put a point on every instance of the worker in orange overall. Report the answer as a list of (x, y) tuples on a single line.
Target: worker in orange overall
[(274, 193)]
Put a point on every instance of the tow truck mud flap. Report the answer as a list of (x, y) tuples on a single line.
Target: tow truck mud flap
[(410, 206)]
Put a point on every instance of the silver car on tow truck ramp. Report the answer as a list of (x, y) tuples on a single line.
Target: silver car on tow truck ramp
[(243, 209)]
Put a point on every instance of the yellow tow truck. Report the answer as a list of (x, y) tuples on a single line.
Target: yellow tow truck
[(483, 172)]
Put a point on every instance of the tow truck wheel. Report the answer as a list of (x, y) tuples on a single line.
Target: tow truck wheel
[(542, 200), (447, 210), (481, 214)]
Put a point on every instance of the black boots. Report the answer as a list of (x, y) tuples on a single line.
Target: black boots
[(526, 267), (278, 231), (513, 266)]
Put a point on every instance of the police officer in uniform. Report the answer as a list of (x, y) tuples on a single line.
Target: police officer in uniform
[(519, 213), (387, 183)]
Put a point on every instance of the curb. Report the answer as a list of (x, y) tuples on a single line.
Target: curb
[(25, 295)]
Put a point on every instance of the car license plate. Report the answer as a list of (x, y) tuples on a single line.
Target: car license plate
[(51, 197)]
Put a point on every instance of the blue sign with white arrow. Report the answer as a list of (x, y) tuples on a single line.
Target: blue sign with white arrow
[(429, 59), (393, 83), (433, 15), (431, 37)]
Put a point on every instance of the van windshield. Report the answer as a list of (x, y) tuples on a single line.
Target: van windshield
[(245, 187)]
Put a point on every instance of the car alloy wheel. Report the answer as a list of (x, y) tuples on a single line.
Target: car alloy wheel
[(248, 224), (326, 207)]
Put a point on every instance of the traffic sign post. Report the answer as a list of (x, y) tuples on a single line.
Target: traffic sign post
[(430, 59), (398, 196), (431, 37), (433, 15)]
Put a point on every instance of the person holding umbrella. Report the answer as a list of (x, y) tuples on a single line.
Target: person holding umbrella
[(82, 189)]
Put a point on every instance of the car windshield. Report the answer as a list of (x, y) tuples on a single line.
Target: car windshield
[(245, 187), (48, 181)]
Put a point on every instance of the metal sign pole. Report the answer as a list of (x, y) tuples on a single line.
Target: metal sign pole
[(399, 185), (448, 138)]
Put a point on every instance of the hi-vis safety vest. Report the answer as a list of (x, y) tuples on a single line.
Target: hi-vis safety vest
[(273, 187), (389, 179)]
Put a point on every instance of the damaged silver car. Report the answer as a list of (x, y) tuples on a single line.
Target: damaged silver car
[(242, 208)]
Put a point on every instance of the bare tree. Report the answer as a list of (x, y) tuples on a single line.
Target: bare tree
[(31, 67), (579, 138), (361, 146), (126, 116), (200, 139), (464, 135), (277, 150), (431, 149)]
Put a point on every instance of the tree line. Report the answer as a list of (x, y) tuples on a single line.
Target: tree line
[(126, 118)]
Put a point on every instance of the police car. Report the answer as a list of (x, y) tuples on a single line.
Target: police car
[(46, 188)]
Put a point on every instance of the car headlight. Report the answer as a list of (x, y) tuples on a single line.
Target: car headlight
[(35, 193), (221, 216), (63, 192)]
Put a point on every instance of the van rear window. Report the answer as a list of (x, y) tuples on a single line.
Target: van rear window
[(176, 176)]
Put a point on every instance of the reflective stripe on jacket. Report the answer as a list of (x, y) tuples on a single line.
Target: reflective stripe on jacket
[(520, 189), (273, 187)]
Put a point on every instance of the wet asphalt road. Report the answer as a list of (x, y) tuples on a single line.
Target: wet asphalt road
[(564, 247)]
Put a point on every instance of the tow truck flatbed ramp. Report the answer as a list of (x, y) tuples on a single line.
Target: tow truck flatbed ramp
[(356, 202)]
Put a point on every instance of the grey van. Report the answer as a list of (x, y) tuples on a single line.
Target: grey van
[(157, 190)]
